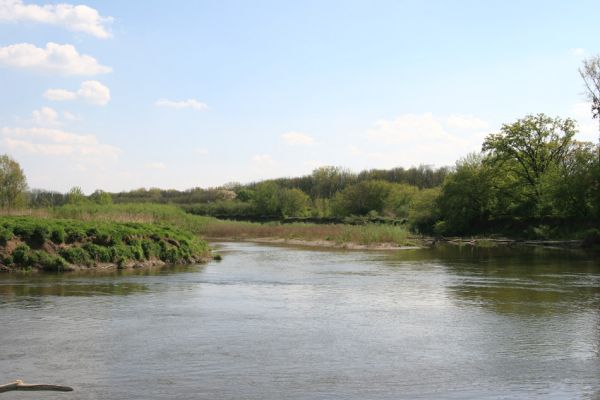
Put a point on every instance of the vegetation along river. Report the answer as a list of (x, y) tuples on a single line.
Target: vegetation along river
[(272, 322)]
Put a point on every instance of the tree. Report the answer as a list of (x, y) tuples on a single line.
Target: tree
[(361, 198), (266, 198), (76, 196), (467, 196), (293, 202), (101, 197), (13, 183), (590, 73), (530, 148)]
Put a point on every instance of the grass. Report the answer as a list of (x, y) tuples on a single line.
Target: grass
[(335, 233), (209, 227), (55, 244)]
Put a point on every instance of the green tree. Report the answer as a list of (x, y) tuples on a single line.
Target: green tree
[(424, 210), (293, 202), (13, 183), (399, 199), (101, 197), (76, 196), (530, 148), (362, 198), (468, 195), (266, 198)]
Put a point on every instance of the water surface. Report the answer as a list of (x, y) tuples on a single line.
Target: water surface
[(270, 322)]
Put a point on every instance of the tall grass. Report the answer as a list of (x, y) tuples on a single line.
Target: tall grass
[(209, 227)]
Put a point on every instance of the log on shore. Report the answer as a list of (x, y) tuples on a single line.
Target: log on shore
[(19, 385)]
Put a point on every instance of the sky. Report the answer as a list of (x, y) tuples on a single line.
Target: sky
[(119, 95)]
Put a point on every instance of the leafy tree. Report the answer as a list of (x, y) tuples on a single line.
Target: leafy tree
[(101, 197), (530, 148), (293, 202), (399, 199), (13, 183), (590, 72), (362, 198), (424, 210), (468, 195), (329, 180), (574, 188), (76, 196), (266, 198)]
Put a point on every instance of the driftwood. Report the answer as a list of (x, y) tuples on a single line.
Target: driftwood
[(19, 385)]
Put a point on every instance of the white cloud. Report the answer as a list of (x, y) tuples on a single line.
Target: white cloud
[(55, 58), (76, 18), (59, 95), (189, 103), (414, 139), (578, 51), (466, 122), (70, 116), (297, 138), (156, 165), (53, 142), (263, 160), (411, 129), (201, 151), (92, 92), (45, 116)]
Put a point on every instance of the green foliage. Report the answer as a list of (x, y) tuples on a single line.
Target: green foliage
[(530, 148), (424, 211), (76, 196), (13, 183), (86, 243), (266, 198), (362, 198), (5, 235), (293, 202), (399, 200), (467, 196), (101, 197)]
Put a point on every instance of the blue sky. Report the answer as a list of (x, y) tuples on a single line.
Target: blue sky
[(119, 95)]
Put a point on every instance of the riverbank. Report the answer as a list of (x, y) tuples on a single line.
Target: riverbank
[(50, 244), (359, 237)]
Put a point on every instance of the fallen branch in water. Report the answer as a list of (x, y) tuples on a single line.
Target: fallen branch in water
[(19, 385)]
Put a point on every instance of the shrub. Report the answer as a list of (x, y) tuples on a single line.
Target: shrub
[(58, 235), (76, 255)]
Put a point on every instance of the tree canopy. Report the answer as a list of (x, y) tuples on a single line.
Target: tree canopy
[(13, 183)]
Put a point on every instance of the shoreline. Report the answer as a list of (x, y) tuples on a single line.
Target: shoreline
[(421, 243)]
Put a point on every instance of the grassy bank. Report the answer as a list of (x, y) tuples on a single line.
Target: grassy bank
[(209, 227), (57, 244)]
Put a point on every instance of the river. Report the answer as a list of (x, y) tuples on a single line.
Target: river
[(274, 322)]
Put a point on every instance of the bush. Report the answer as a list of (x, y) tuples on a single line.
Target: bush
[(58, 235), (76, 255), (5, 235)]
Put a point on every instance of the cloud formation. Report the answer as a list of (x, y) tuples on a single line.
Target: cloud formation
[(189, 103), (92, 92), (413, 139), (76, 18), (56, 58), (55, 142), (45, 116), (297, 139), (156, 165)]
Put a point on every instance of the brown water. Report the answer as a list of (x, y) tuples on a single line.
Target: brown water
[(274, 322)]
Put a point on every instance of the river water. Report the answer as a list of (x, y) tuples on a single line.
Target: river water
[(271, 322)]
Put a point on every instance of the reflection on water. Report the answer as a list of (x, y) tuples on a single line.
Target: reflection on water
[(270, 322)]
